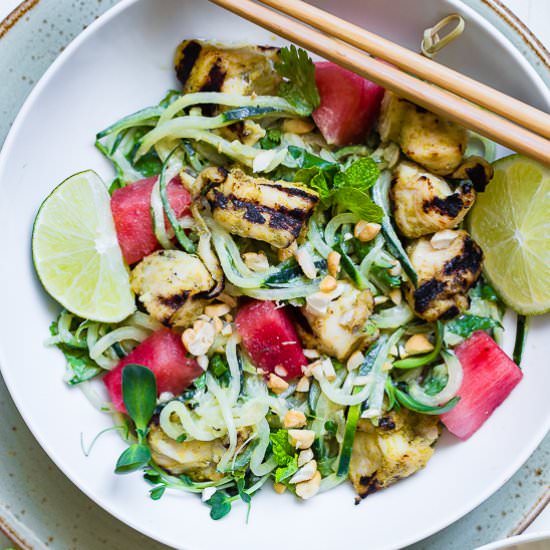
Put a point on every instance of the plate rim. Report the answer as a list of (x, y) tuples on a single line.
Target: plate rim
[(15, 16)]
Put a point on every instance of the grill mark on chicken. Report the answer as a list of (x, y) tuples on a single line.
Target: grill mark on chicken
[(371, 486), (449, 206), (478, 177), (294, 192), (176, 301), (469, 260), (386, 423), (189, 57), (427, 292), (216, 78)]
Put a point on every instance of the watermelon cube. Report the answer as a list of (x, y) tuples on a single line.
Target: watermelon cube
[(269, 337), (131, 208), (349, 104), (489, 377), (164, 354)]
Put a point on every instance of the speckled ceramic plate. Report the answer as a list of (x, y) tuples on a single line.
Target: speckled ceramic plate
[(42, 508)]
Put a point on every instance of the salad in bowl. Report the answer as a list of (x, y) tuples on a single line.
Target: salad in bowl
[(289, 281)]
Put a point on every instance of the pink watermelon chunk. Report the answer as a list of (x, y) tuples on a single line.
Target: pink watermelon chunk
[(489, 377), (270, 338), (349, 104), (164, 354), (131, 208)]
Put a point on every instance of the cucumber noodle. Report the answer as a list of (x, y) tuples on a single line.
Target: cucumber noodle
[(455, 376), (333, 225)]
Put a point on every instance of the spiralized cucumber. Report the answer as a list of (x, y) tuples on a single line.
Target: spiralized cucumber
[(380, 195), (157, 217), (333, 225), (228, 100)]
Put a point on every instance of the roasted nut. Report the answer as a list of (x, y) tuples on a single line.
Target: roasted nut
[(301, 439), (197, 340), (217, 310), (305, 473), (304, 457), (366, 231), (303, 385), (276, 384), (308, 489), (256, 262), (443, 239), (417, 344), (280, 488), (298, 126), (328, 284), (333, 262), (305, 261), (294, 419), (396, 296), (355, 360)]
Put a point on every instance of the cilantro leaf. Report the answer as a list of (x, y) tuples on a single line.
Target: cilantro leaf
[(271, 139), (81, 365), (298, 86), (465, 325), (305, 159)]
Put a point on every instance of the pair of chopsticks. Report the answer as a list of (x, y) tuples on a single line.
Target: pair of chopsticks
[(423, 81)]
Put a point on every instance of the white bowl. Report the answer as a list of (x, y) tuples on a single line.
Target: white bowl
[(123, 63), (538, 541)]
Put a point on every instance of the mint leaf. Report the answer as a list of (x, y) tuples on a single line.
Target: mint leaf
[(298, 73), (358, 202), (283, 452), (362, 174), (285, 472), (465, 325)]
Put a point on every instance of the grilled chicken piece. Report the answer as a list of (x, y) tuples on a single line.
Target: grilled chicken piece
[(173, 286), (336, 321), (397, 448), (445, 274), (431, 141), (196, 459), (209, 67), (423, 203), (476, 169), (258, 208)]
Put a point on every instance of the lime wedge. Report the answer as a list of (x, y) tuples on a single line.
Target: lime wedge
[(76, 252), (511, 223)]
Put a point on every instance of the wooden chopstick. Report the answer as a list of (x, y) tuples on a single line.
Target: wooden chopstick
[(414, 63), (422, 93)]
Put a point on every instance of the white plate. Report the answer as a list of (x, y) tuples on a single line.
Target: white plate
[(118, 65)]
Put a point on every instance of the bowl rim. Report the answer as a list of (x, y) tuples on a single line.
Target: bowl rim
[(15, 16)]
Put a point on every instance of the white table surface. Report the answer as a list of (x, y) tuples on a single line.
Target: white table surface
[(536, 14)]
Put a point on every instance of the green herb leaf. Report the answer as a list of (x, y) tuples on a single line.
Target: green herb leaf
[(245, 497), (283, 452), (331, 427), (181, 438), (139, 392), (156, 492), (81, 365), (305, 159), (133, 458), (298, 87), (220, 504), (283, 473), (271, 139), (358, 202), (362, 174), (465, 325), (384, 277)]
